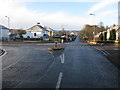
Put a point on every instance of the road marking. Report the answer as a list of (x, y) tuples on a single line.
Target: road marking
[(59, 81), (46, 44), (5, 52), (106, 51), (103, 51), (12, 64), (51, 54), (62, 57)]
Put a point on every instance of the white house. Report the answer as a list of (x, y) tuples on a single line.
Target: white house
[(108, 34), (4, 33), (118, 34), (37, 31), (116, 27), (50, 31)]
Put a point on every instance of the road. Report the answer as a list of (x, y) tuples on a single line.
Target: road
[(78, 66)]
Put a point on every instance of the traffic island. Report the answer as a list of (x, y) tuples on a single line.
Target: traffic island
[(57, 52), (56, 47)]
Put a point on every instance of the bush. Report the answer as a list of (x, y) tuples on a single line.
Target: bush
[(101, 37), (113, 34), (105, 36)]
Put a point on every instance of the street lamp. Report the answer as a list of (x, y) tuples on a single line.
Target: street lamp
[(8, 22), (8, 26), (94, 25)]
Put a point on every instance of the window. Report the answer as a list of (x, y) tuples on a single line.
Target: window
[(34, 34)]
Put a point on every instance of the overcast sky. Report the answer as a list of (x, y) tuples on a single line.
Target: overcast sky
[(70, 14)]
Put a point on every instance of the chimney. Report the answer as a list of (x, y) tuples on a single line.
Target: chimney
[(38, 23)]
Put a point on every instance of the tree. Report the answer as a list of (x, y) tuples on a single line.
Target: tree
[(20, 32), (87, 32), (101, 26), (113, 34)]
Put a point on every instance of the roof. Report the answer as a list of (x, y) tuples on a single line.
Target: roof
[(3, 27), (34, 28), (48, 29), (42, 27)]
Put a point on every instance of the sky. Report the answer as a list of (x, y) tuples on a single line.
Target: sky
[(58, 14)]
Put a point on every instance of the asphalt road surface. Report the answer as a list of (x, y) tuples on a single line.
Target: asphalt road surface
[(78, 66)]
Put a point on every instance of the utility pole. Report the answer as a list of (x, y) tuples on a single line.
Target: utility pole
[(8, 22), (8, 26), (94, 26)]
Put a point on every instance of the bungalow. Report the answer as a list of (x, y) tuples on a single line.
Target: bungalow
[(37, 31), (116, 27), (4, 33), (108, 33), (50, 31)]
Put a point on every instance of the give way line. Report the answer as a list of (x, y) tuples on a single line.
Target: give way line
[(62, 57)]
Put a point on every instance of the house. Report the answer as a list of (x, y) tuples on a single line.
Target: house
[(37, 31), (50, 31), (13, 33), (74, 33), (108, 32), (4, 33), (116, 27), (118, 34)]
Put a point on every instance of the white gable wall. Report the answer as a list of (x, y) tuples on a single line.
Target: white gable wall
[(4, 33), (35, 32), (28, 34)]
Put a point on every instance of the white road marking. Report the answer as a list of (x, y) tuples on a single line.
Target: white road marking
[(46, 70), (59, 81), (51, 54), (103, 51), (62, 57), (12, 64), (46, 44), (106, 51)]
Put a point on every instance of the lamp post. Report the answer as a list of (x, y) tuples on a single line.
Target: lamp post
[(8, 21), (8, 26), (94, 25)]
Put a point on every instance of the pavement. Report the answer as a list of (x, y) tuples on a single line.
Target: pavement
[(77, 66)]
